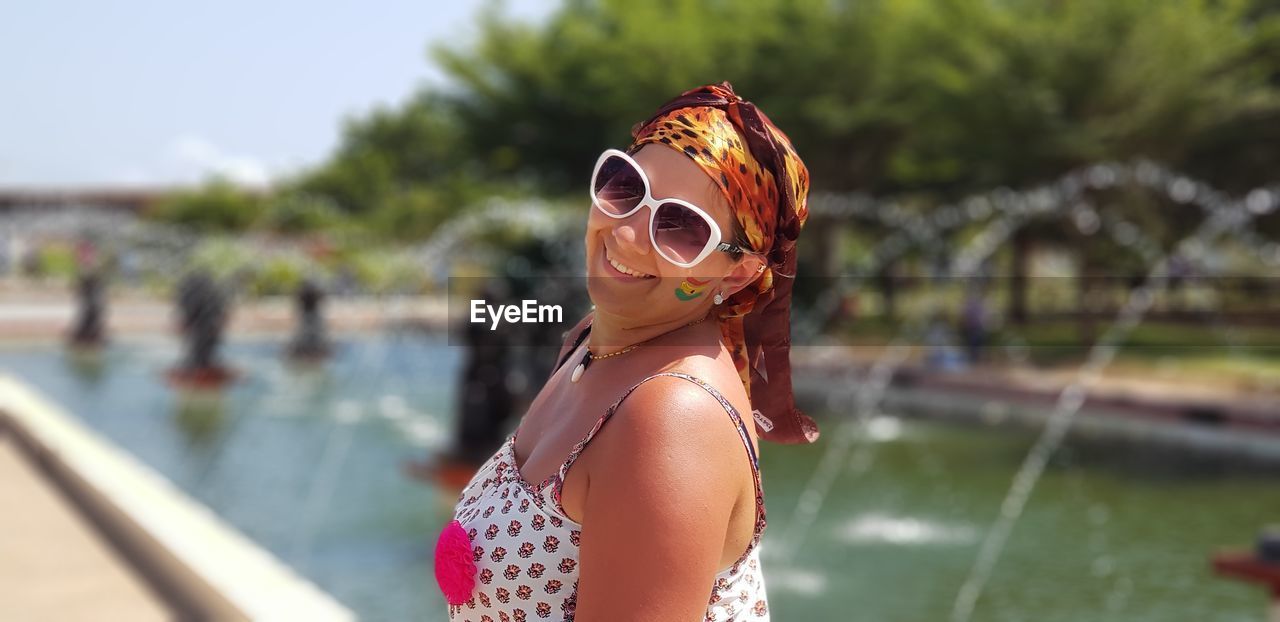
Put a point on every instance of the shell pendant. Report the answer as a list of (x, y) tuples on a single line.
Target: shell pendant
[(582, 366)]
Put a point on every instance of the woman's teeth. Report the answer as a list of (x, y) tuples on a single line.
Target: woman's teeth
[(625, 270)]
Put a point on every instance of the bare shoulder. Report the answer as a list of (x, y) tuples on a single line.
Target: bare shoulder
[(662, 487), (669, 427), (660, 495), (723, 377)]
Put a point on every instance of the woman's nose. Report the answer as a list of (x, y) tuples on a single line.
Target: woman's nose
[(628, 232)]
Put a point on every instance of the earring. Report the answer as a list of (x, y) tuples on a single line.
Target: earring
[(718, 298)]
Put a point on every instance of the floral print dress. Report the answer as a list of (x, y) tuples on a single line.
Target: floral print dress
[(526, 548)]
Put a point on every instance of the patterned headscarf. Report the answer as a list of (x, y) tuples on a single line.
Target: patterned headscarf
[(767, 186)]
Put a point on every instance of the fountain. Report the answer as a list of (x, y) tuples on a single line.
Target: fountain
[(1015, 210), (310, 343), (1260, 566), (202, 307), (504, 369), (89, 331)]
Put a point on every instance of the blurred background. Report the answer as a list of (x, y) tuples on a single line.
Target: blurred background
[(1037, 318)]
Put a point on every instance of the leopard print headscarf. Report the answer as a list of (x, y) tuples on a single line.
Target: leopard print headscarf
[(767, 186)]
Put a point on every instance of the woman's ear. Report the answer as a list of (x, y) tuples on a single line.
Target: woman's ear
[(744, 272)]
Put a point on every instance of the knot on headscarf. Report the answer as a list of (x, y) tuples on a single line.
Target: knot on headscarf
[(767, 187)]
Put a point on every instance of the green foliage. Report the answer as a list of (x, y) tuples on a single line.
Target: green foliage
[(541, 102), (296, 212), (218, 205), (221, 257), (277, 276), (931, 99), (412, 212), (878, 95), (404, 171), (383, 272), (353, 181), (57, 260)]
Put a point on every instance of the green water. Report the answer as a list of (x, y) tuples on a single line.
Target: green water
[(1112, 532)]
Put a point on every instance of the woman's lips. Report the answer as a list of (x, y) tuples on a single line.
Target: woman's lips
[(608, 268)]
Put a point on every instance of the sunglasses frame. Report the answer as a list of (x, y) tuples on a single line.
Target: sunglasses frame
[(714, 241)]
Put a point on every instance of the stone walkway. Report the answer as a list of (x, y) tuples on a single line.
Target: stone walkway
[(53, 563)]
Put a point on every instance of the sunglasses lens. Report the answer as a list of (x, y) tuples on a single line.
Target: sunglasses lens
[(618, 186), (679, 232)]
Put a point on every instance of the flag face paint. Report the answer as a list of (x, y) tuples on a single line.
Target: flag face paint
[(691, 288)]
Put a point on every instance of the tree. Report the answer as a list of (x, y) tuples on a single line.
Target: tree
[(218, 205)]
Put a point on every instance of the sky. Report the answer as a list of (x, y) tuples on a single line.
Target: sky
[(137, 93)]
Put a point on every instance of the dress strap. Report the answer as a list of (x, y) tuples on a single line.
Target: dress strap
[(582, 444), (558, 486)]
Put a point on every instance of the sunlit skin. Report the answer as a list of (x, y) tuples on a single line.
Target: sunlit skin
[(664, 491)]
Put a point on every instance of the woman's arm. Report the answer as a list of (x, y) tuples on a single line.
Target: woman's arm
[(661, 489)]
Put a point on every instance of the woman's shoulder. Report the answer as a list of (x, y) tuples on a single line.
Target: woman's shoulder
[(718, 376), (664, 429), (678, 414), (662, 485)]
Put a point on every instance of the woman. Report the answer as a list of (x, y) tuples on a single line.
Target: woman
[(657, 515)]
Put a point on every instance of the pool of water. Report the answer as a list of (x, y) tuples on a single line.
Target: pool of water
[(307, 464)]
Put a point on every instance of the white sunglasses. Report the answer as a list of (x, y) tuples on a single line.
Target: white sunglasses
[(681, 232)]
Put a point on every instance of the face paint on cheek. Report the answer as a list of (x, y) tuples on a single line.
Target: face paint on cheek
[(691, 288)]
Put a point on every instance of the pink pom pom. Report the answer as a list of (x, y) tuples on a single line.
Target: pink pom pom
[(455, 564)]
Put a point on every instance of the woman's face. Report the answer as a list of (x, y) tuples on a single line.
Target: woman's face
[(667, 291)]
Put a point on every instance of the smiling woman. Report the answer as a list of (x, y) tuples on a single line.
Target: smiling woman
[(690, 249)]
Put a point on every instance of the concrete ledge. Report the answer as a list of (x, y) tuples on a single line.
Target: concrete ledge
[(204, 567), (55, 566), (1096, 418), (1098, 422)]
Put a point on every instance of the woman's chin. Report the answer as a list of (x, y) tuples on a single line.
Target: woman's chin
[(609, 295), (618, 294), (621, 300)]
